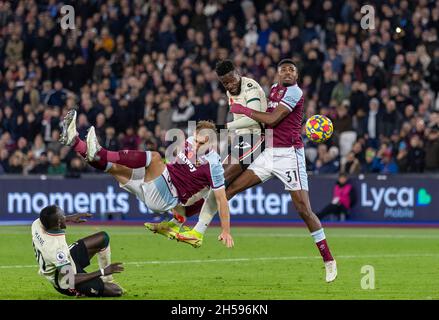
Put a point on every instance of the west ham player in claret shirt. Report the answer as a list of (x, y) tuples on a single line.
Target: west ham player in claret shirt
[(162, 187), (285, 158)]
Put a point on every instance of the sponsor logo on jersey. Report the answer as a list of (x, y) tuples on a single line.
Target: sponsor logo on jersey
[(272, 104), (243, 145), (187, 162)]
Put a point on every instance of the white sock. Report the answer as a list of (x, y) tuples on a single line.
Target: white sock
[(104, 260), (175, 221), (208, 211), (318, 235), (108, 167)]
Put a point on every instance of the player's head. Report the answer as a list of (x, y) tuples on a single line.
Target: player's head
[(205, 136), (287, 71), (53, 218), (342, 178), (229, 76)]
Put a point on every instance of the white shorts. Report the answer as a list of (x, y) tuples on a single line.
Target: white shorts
[(159, 195), (287, 164)]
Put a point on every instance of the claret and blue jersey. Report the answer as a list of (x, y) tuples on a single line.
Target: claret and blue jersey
[(192, 175), (287, 133)]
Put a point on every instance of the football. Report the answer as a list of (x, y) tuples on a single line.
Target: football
[(319, 128)]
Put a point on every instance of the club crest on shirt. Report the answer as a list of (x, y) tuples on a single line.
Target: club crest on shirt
[(276, 95)]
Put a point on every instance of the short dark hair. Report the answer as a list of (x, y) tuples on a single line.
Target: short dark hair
[(48, 216), (284, 61), (223, 67)]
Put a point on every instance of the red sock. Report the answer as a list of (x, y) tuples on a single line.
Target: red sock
[(80, 146), (179, 217), (194, 208), (324, 250), (130, 158)]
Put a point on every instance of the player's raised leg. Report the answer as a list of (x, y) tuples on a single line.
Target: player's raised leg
[(97, 156), (83, 251)]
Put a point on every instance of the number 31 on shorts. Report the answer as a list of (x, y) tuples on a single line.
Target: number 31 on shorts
[(291, 174)]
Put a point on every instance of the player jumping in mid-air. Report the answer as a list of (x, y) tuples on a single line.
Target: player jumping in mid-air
[(64, 266), (247, 145), (285, 159), (161, 187)]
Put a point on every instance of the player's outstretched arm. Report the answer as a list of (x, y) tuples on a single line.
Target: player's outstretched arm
[(224, 214), (271, 119), (78, 217)]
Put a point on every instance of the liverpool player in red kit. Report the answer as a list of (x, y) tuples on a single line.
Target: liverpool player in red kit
[(285, 159)]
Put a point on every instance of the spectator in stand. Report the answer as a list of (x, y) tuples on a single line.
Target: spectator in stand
[(56, 167), (384, 162), (352, 165), (416, 155), (41, 165), (133, 61), (343, 199)]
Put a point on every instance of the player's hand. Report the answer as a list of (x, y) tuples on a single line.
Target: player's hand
[(226, 239), (116, 267), (78, 217)]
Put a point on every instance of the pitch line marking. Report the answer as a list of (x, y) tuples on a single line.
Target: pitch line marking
[(140, 263)]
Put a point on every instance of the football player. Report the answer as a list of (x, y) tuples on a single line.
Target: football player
[(162, 187), (64, 266)]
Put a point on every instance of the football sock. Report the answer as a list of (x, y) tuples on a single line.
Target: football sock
[(130, 158), (178, 219), (194, 208), (104, 260), (176, 222), (207, 213), (80, 147), (322, 245)]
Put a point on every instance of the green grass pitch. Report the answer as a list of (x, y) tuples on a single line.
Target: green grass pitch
[(266, 263)]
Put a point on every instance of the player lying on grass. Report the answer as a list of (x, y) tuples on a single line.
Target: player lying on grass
[(64, 266), (247, 145), (162, 187), (285, 159)]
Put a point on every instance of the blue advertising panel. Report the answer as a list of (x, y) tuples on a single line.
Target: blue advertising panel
[(379, 198)]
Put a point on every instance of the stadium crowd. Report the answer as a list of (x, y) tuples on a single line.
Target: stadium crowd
[(137, 68)]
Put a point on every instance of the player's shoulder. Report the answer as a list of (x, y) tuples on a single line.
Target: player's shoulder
[(293, 94), (37, 226), (294, 90), (213, 158), (250, 84)]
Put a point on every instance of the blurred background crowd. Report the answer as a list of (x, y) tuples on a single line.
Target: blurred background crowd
[(137, 68)]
